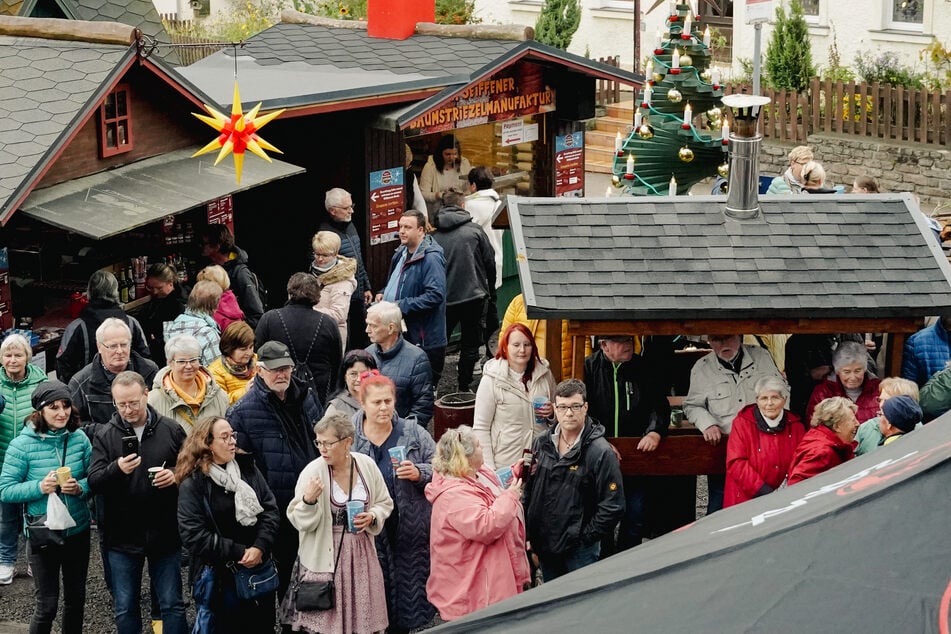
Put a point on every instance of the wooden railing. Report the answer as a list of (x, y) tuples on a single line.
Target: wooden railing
[(608, 90), (195, 50), (872, 111)]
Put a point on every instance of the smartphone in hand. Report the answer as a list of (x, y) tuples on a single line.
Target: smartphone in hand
[(130, 445)]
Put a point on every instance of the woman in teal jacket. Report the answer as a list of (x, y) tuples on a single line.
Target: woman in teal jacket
[(18, 379), (51, 438)]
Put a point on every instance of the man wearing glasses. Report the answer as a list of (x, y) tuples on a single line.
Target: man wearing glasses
[(91, 387), (132, 475), (275, 421), (573, 495), (339, 206)]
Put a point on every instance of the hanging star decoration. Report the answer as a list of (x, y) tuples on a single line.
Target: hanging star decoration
[(237, 133)]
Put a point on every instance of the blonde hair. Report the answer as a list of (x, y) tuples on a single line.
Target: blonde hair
[(813, 174), (832, 411), (897, 386), (453, 450), (216, 274), (326, 241), (800, 153)]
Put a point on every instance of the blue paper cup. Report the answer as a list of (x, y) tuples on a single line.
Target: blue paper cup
[(505, 476), (538, 402), (397, 455), (354, 508)]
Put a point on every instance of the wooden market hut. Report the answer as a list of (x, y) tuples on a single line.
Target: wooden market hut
[(681, 266)]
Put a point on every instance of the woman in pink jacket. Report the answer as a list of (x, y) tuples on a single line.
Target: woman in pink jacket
[(477, 541)]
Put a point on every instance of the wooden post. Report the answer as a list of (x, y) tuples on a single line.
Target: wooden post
[(553, 347)]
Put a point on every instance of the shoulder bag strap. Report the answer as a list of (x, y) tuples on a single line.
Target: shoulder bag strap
[(313, 339), (349, 497), (290, 342)]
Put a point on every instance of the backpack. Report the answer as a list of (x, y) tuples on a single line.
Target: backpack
[(258, 285), (302, 371)]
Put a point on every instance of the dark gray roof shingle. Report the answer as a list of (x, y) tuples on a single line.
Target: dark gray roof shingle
[(803, 257)]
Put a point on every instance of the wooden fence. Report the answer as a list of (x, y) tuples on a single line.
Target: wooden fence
[(190, 48), (608, 90), (873, 111)]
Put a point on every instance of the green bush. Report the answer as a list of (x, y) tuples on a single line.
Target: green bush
[(557, 22), (886, 69)]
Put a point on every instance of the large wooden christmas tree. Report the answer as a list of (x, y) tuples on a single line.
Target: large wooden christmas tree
[(679, 135)]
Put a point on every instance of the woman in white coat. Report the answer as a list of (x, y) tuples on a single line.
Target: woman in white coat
[(505, 420)]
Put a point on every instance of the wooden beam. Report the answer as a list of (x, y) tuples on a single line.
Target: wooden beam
[(749, 326), (893, 353), (684, 452), (553, 347), (514, 32), (577, 358), (290, 16), (70, 30)]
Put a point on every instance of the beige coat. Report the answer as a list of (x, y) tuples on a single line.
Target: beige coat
[(314, 523), (336, 287), (504, 421)]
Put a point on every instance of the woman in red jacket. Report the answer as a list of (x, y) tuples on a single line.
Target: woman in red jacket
[(477, 541), (761, 446), (829, 443), (852, 380)]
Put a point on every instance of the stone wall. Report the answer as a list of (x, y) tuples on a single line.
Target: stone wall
[(897, 167)]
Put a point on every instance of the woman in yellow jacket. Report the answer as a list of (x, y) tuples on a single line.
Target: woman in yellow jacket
[(236, 366)]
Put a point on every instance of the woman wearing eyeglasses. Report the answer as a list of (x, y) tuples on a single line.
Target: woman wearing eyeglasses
[(355, 364), (227, 517), (183, 390), (336, 278), (403, 545), (504, 420), (329, 551)]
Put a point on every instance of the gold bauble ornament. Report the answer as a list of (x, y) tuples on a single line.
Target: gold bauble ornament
[(686, 60), (659, 77), (645, 131), (714, 113), (723, 169), (674, 96), (615, 180), (706, 75), (685, 154)]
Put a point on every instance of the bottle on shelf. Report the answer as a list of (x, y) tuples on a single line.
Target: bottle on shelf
[(123, 289), (130, 283)]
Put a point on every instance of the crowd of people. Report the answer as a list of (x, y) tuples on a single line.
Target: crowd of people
[(282, 457)]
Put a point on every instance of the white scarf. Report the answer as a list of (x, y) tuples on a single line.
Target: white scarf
[(246, 505)]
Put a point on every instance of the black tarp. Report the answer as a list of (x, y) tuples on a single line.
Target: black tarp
[(865, 547)]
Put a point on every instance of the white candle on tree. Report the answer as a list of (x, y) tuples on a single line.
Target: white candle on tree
[(672, 188), (706, 37), (688, 114), (630, 164), (617, 143), (675, 59)]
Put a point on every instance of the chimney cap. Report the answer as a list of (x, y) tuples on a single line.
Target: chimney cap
[(744, 101)]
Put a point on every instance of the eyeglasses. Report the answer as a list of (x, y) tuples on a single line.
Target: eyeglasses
[(131, 406), (320, 444), (353, 374), (113, 347), (350, 207), (574, 407), (226, 438), (184, 362)]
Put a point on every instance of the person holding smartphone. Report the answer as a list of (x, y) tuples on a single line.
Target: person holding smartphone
[(133, 462)]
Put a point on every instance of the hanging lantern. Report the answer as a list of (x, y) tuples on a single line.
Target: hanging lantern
[(674, 96), (723, 169), (685, 154), (686, 60)]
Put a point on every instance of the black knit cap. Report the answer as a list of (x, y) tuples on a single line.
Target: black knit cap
[(902, 412), (49, 392)]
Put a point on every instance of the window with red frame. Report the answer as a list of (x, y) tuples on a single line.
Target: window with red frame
[(115, 123)]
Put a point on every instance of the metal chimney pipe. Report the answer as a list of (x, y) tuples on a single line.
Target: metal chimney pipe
[(742, 201)]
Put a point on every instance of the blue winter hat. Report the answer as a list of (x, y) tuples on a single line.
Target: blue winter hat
[(902, 412)]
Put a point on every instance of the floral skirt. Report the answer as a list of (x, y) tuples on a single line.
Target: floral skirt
[(360, 602)]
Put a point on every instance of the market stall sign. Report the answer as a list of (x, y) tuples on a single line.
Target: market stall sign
[(221, 212), (387, 202), (516, 91), (569, 164)]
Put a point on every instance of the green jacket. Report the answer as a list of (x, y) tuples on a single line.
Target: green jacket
[(18, 396), (31, 456)]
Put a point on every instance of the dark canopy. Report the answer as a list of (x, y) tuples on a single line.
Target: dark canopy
[(861, 548)]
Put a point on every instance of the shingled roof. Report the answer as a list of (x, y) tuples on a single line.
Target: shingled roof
[(681, 258), (292, 65)]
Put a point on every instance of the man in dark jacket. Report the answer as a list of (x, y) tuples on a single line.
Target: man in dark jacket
[(91, 387), (138, 505), (217, 244), (417, 284), (339, 206), (76, 347), (405, 364), (275, 421), (573, 496), (311, 335), (470, 278), (628, 400)]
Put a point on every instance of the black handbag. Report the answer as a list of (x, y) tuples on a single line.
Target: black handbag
[(320, 595), (40, 535)]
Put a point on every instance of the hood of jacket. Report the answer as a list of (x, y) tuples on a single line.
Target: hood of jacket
[(345, 269), (426, 246), (449, 218), (211, 386), (228, 306), (190, 315), (591, 432), (440, 484), (34, 375), (498, 369), (240, 257)]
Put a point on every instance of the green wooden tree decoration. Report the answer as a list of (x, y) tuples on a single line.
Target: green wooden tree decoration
[(557, 22), (664, 143)]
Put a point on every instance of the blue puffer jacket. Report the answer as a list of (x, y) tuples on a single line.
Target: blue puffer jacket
[(926, 352), (408, 367), (18, 396), (30, 458), (282, 443), (421, 294)]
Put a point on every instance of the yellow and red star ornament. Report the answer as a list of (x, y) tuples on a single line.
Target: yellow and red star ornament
[(237, 133)]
